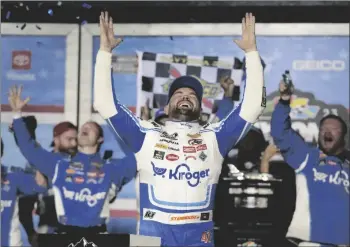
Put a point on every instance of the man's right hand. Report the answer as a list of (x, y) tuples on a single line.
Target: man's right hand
[(15, 100), (107, 39), (283, 89)]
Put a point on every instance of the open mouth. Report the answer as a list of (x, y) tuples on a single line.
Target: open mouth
[(184, 105), (328, 139)]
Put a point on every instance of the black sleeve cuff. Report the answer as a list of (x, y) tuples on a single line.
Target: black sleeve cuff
[(284, 102)]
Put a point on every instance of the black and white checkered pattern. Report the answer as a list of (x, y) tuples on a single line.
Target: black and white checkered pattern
[(156, 71)]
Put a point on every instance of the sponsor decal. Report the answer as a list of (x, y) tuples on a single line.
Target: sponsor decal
[(69, 179), (319, 65), (202, 156), (339, 178), (206, 237), (189, 149), (70, 171), (184, 217), (263, 100), (158, 155), (190, 157), (205, 216), (79, 180), (76, 165), (174, 149), (149, 214), (21, 60), (181, 172), (161, 146), (194, 142), (169, 141), (194, 136), (201, 147), (172, 157), (91, 174), (167, 136), (96, 164), (84, 195)]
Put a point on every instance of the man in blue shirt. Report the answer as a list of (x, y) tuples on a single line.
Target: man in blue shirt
[(80, 182), (322, 205), (13, 184)]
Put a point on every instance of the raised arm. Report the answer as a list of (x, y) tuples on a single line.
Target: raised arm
[(231, 129), (122, 121), (42, 159), (291, 144), (124, 170)]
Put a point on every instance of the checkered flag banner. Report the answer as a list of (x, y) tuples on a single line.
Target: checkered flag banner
[(156, 72)]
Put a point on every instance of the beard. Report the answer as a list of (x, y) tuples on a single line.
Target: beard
[(337, 145), (70, 151), (185, 115)]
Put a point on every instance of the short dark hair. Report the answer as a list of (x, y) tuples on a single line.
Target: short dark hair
[(339, 119)]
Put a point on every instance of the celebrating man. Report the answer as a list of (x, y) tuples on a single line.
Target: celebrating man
[(179, 164), (322, 205)]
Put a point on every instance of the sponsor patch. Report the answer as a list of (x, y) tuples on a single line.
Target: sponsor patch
[(172, 157), (158, 155), (194, 142), (201, 147), (189, 149)]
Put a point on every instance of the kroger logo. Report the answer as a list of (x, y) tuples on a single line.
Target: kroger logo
[(181, 172)]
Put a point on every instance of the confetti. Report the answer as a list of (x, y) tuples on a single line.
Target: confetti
[(21, 4), (27, 8), (37, 27), (83, 22), (50, 12), (78, 17), (8, 14), (87, 6), (23, 26), (59, 3)]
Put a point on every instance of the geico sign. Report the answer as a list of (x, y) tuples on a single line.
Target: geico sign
[(321, 65)]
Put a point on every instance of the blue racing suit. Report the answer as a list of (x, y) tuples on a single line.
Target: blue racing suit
[(12, 184), (322, 205), (178, 164), (80, 183)]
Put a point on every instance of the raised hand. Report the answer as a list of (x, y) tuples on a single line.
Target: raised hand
[(227, 85), (107, 38), (247, 43), (15, 100), (284, 92)]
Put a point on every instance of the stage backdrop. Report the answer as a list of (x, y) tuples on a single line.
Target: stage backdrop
[(315, 54)]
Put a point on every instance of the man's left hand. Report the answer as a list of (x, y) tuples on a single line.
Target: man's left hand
[(227, 85), (247, 43)]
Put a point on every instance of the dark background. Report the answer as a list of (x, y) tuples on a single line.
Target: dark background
[(178, 12)]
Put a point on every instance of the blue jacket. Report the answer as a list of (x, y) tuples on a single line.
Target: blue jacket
[(13, 184), (80, 183), (322, 184)]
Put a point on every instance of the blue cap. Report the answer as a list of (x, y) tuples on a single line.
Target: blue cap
[(187, 81)]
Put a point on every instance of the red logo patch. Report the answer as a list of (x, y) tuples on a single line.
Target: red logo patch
[(189, 149), (172, 157), (21, 60), (202, 147)]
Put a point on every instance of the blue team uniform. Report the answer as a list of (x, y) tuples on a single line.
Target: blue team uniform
[(80, 183), (322, 206), (13, 184)]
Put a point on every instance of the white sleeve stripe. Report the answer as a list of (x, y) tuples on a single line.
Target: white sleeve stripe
[(56, 172), (103, 90), (244, 131), (253, 94), (303, 164)]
